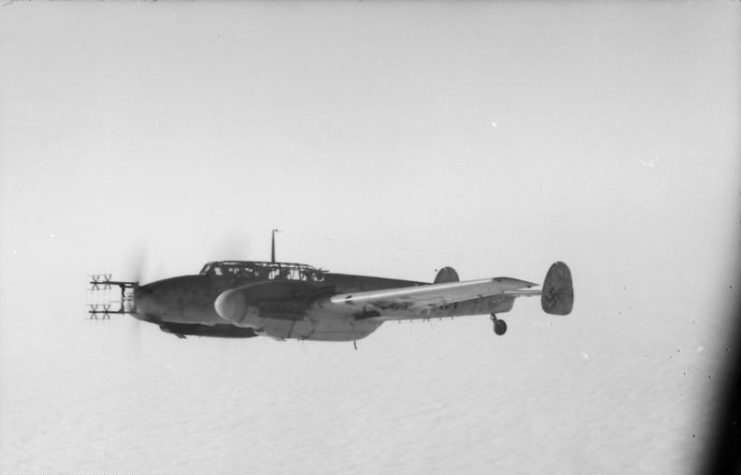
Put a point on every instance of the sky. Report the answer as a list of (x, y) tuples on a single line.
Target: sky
[(385, 139)]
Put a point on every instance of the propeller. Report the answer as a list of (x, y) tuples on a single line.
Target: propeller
[(135, 270), (136, 265), (135, 333)]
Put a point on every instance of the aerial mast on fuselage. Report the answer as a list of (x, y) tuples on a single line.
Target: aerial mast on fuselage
[(272, 245)]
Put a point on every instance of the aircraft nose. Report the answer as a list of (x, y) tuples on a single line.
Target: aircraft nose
[(145, 301), (230, 305)]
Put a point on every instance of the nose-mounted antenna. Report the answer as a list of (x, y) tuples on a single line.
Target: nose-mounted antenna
[(272, 245), (103, 282)]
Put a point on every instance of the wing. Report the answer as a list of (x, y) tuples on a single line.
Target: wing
[(480, 296)]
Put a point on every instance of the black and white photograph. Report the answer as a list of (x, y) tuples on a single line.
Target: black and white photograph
[(369, 237)]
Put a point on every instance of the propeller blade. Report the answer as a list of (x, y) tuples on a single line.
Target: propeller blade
[(135, 334), (136, 265)]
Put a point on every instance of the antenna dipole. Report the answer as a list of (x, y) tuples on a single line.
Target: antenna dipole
[(272, 245)]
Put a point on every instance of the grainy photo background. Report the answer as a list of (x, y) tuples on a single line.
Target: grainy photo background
[(384, 139)]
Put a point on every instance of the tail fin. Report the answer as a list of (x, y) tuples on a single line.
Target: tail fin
[(557, 297), (446, 274)]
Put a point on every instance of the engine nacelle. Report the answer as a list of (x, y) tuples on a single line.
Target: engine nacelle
[(249, 305), (232, 306)]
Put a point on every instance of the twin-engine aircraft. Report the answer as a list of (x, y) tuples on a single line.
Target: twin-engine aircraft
[(242, 299)]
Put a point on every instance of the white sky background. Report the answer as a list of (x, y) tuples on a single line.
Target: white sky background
[(384, 139)]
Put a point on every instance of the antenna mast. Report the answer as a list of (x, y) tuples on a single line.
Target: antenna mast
[(272, 245)]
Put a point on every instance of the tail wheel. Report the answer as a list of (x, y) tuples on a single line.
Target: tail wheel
[(500, 326)]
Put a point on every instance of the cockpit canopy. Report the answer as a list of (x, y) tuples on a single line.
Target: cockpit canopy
[(263, 270)]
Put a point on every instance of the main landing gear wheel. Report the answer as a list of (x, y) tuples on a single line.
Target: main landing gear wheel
[(500, 326)]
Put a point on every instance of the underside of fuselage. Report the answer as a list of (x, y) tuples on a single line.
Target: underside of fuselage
[(218, 331)]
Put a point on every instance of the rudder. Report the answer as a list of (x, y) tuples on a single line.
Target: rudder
[(446, 274), (557, 297)]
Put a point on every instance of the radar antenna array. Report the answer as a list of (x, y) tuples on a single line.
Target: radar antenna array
[(102, 282)]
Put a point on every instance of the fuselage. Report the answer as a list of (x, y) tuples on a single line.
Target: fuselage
[(185, 305)]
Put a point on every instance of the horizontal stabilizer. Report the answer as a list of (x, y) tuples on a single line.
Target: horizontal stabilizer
[(557, 297)]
